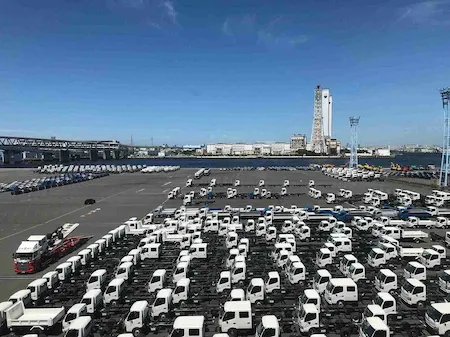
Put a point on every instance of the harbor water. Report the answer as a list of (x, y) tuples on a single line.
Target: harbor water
[(404, 159)]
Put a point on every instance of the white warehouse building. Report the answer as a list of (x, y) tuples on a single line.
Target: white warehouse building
[(244, 149)]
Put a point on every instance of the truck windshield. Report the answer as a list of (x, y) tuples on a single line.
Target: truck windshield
[(93, 279), (368, 312), (378, 300), (444, 276), (330, 287), (317, 278), (24, 256), (410, 268), (426, 255), (70, 316), (372, 254), (408, 287), (367, 329), (381, 276), (434, 314)]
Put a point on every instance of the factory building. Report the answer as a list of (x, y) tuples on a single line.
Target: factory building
[(244, 149), (298, 142)]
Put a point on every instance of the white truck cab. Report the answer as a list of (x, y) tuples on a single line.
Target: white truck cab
[(80, 327), (157, 281), (415, 270), (23, 295), (444, 281), (52, 279), (342, 244), (269, 327), (437, 318), (310, 296), (341, 290), (198, 250), (386, 280), (237, 295), (414, 292), (373, 327), (75, 261), (357, 272), (323, 257), (297, 273), (224, 282), (137, 317), (38, 288), (387, 302), (77, 310), (188, 326), (114, 290), (345, 263), (150, 251), (125, 270), (320, 280), (86, 256), (93, 300), (64, 271), (163, 303), (237, 315), (308, 318)]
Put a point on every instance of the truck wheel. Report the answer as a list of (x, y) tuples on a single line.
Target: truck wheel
[(136, 332), (340, 304), (232, 333), (420, 305)]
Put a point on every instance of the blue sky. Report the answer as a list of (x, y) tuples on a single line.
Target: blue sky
[(204, 71)]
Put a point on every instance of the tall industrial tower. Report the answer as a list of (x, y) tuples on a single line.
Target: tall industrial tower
[(354, 121), (317, 136), (443, 177)]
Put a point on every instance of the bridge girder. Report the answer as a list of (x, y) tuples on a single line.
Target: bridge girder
[(27, 144)]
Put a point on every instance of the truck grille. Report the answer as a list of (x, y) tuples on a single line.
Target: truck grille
[(22, 266)]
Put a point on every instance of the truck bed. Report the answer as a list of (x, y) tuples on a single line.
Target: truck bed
[(38, 317)]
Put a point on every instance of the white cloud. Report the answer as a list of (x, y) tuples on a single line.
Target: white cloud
[(270, 34), (170, 11), (431, 12), (155, 13)]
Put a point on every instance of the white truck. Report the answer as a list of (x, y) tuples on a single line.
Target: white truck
[(436, 318), (237, 316), (19, 318), (433, 257), (415, 222), (400, 234), (386, 280), (414, 293)]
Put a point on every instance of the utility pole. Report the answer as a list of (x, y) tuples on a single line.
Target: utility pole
[(354, 121), (443, 176)]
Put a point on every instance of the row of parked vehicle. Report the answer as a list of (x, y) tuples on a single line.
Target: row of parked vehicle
[(156, 169), (352, 174), (37, 184), (89, 168)]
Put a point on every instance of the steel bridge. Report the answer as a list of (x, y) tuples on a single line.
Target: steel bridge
[(15, 145)]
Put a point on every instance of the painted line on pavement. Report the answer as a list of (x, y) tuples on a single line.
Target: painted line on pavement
[(169, 182), (63, 215)]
